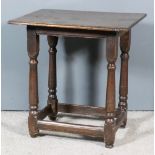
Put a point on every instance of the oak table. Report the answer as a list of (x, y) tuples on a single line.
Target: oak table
[(55, 23)]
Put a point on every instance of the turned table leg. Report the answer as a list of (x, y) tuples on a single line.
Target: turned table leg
[(123, 87), (111, 54), (33, 51), (52, 83)]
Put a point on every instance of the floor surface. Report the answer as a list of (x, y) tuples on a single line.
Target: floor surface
[(135, 139)]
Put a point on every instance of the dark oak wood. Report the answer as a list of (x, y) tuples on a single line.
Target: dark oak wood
[(111, 54), (86, 130), (66, 32), (46, 111), (120, 119), (82, 109), (33, 51), (52, 79), (105, 21), (123, 87), (55, 23)]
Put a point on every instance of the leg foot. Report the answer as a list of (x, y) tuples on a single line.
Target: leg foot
[(52, 118), (109, 146), (124, 122), (123, 125), (34, 135), (32, 125), (53, 110), (109, 133)]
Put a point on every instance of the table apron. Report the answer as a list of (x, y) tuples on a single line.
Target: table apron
[(72, 32)]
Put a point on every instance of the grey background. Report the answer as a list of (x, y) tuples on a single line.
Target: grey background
[(81, 63)]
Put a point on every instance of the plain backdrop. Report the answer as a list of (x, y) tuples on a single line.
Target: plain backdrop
[(81, 63)]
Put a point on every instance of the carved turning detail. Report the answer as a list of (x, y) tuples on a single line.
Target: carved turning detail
[(33, 51), (52, 83), (111, 54), (123, 87)]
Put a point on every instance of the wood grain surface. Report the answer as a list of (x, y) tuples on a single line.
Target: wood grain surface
[(106, 21)]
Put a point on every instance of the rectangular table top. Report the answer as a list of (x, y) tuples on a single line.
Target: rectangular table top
[(105, 21)]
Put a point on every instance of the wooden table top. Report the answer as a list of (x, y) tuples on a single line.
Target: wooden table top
[(105, 21)]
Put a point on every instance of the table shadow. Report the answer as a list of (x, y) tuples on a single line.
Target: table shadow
[(90, 47)]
